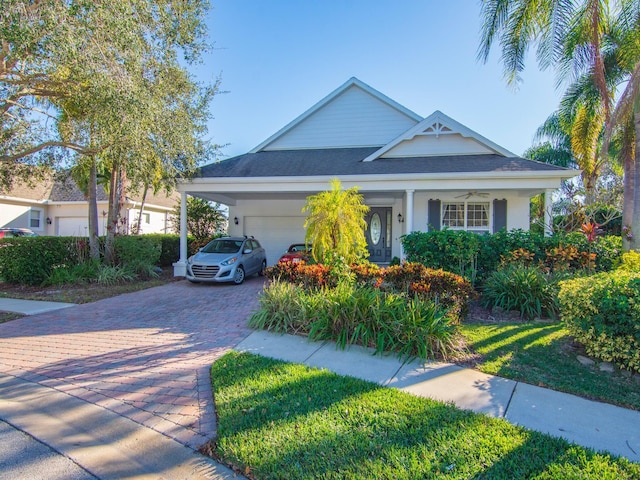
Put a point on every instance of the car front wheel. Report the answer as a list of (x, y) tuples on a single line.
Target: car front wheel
[(238, 276)]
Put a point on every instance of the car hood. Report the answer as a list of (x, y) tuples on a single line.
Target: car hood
[(213, 258)]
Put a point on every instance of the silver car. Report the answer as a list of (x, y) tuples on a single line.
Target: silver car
[(227, 259)]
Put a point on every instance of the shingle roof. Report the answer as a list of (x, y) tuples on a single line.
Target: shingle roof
[(62, 188), (348, 161)]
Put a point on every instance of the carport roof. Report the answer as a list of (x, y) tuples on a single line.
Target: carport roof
[(349, 161)]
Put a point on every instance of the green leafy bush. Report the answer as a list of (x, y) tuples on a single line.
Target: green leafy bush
[(31, 260), (603, 313), (359, 315), (522, 288), (630, 262)]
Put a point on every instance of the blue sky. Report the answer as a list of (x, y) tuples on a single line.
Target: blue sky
[(277, 58)]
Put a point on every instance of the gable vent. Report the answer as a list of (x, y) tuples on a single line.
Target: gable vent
[(437, 128)]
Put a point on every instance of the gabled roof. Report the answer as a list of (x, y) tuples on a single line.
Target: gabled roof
[(439, 124), (411, 117)]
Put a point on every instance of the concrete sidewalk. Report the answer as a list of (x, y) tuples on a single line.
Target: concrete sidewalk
[(595, 425), (90, 441), (30, 307)]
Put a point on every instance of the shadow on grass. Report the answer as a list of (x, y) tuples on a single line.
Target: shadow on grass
[(280, 420)]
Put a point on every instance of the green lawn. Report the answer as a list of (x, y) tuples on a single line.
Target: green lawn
[(278, 420), (543, 354)]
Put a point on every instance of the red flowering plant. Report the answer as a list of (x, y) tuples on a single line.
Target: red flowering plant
[(590, 231)]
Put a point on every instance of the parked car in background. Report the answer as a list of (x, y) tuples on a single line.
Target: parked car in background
[(227, 259), (297, 252), (16, 232)]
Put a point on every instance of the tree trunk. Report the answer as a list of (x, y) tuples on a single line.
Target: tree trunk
[(114, 220), (92, 198), (144, 199), (634, 242)]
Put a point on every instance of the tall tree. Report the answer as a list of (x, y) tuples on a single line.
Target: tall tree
[(115, 83), (204, 219), (335, 225)]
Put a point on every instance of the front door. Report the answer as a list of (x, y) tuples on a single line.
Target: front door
[(379, 234)]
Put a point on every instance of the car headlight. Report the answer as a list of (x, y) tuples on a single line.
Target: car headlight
[(229, 261), (190, 260)]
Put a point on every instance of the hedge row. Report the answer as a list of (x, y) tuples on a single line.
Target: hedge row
[(30, 260), (475, 256)]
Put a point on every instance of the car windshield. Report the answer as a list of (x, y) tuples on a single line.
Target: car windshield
[(223, 246)]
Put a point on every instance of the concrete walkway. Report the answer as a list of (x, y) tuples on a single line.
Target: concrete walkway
[(120, 388)]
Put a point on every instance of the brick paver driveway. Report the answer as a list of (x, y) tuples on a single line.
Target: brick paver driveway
[(144, 355)]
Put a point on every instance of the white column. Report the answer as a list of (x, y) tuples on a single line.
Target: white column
[(548, 218), (408, 219), (180, 267), (408, 214)]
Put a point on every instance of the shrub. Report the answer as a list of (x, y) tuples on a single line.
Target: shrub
[(358, 315), (31, 260), (522, 288), (300, 273), (444, 288), (73, 274), (630, 262), (603, 313), (476, 256), (411, 279), (450, 250)]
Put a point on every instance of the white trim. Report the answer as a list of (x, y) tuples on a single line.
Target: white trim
[(466, 203), (275, 184), (454, 126), (40, 212), (353, 81)]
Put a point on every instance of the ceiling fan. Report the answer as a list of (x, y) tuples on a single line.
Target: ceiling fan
[(473, 193)]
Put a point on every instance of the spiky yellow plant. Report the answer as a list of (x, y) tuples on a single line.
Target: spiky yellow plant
[(335, 224)]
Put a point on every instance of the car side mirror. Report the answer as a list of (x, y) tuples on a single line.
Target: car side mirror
[(247, 250)]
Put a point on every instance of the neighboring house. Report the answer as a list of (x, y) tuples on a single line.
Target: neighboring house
[(415, 173), (57, 207)]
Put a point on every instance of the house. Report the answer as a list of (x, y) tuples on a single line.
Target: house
[(415, 174), (56, 206)]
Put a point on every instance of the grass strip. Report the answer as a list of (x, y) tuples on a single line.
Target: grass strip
[(544, 354), (279, 420)]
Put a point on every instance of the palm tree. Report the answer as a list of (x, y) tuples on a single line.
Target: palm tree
[(572, 38), (335, 225), (625, 119)]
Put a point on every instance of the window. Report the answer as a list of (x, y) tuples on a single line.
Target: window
[(466, 216), (147, 218), (35, 219)]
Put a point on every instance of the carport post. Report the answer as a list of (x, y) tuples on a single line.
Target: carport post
[(180, 267)]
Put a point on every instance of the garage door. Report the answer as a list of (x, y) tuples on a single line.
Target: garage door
[(72, 226), (275, 233)]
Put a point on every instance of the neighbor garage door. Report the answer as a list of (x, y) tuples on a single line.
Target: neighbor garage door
[(275, 233), (72, 226)]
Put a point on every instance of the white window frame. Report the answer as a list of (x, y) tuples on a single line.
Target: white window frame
[(463, 223), (146, 218), (36, 214)]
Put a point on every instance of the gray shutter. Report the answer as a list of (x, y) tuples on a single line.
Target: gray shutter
[(499, 215), (434, 215)]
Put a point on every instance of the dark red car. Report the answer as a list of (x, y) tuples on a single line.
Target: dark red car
[(297, 252), (16, 232)]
